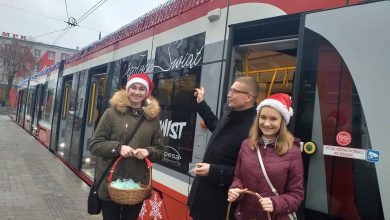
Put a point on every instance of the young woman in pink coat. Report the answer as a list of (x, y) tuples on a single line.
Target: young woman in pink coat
[(282, 160)]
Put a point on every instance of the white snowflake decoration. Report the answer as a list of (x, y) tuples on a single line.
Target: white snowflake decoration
[(156, 205), (143, 210)]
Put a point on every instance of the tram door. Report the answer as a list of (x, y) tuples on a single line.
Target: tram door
[(271, 63), (67, 117), (37, 109), (95, 110), (21, 106), (268, 53), (337, 110)]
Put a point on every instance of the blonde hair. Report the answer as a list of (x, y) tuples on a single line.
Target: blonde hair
[(284, 139)]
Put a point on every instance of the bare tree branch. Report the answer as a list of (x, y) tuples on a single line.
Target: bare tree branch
[(15, 60)]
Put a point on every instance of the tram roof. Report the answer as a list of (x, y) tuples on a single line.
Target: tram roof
[(163, 12)]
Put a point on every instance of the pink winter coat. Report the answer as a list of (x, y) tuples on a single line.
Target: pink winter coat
[(285, 173)]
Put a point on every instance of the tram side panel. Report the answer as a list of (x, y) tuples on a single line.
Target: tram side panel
[(346, 86), (176, 72), (46, 107)]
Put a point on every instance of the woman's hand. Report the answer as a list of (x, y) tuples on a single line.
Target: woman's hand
[(233, 194), (266, 203), (126, 151), (202, 169), (199, 94), (140, 153)]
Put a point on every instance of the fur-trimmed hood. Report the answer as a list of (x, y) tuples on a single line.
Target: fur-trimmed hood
[(120, 101)]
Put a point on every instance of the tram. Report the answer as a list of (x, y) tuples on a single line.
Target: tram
[(330, 56)]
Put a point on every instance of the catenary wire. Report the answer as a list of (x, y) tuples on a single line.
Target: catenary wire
[(52, 32), (62, 34), (97, 5), (67, 13), (53, 18), (85, 15), (24, 10)]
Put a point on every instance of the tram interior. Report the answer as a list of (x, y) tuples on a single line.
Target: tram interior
[(273, 65)]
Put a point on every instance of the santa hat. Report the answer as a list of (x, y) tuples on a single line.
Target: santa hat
[(280, 102), (142, 79)]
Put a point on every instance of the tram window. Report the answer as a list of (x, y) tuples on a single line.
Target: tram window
[(43, 104), (174, 90), (273, 65), (29, 101)]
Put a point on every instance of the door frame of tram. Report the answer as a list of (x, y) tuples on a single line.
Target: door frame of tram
[(234, 40), (295, 32), (89, 121), (59, 108), (326, 202)]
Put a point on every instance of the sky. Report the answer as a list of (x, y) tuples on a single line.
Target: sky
[(37, 18)]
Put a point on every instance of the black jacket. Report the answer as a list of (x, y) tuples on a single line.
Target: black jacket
[(208, 195)]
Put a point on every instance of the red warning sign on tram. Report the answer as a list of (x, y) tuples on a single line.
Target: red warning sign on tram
[(343, 138)]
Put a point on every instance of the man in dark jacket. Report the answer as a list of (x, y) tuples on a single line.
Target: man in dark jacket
[(208, 196)]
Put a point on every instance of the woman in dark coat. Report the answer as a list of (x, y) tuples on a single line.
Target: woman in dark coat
[(282, 160), (111, 139)]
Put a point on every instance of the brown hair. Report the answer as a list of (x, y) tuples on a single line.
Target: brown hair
[(283, 141)]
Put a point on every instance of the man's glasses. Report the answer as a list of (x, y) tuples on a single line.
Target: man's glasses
[(235, 91)]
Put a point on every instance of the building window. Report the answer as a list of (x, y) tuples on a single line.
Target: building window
[(64, 56), (37, 53), (51, 55), (36, 67)]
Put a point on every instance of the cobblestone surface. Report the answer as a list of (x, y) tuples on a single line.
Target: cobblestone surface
[(34, 184)]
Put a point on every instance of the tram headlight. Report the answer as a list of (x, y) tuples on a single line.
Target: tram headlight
[(87, 160), (62, 145)]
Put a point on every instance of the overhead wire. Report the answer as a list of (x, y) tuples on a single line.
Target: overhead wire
[(67, 13), (81, 17), (85, 15), (62, 34), (32, 12), (49, 17), (50, 32)]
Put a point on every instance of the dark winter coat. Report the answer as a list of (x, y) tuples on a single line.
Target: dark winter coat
[(208, 196), (112, 132), (285, 173)]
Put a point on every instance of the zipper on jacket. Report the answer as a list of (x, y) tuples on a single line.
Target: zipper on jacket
[(124, 135)]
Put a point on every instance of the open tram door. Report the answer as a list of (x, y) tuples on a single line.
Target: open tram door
[(335, 86), (95, 109), (342, 82)]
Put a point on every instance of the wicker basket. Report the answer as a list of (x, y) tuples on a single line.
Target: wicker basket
[(129, 196)]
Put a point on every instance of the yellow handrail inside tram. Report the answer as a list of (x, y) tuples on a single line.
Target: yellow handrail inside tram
[(65, 107), (92, 103), (272, 70)]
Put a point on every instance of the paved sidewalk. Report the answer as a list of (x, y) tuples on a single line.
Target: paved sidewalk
[(34, 184)]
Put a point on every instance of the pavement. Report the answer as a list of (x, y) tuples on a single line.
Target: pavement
[(7, 111), (34, 183)]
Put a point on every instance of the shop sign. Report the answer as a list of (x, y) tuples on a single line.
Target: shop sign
[(12, 35), (346, 152)]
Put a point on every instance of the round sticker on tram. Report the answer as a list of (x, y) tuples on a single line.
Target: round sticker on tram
[(343, 138), (309, 148)]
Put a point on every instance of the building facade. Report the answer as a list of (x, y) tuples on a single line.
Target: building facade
[(38, 56)]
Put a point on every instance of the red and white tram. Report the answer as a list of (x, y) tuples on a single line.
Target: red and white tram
[(330, 56)]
